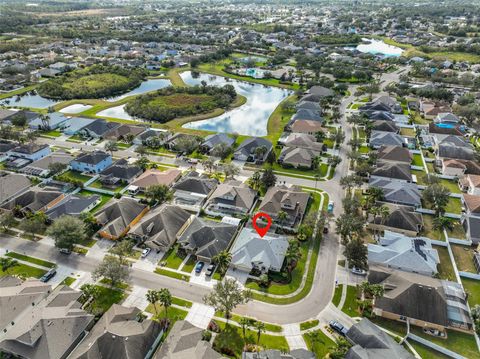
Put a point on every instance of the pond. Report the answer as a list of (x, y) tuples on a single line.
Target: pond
[(116, 112), (28, 100), (75, 108), (249, 119), (378, 47), (146, 86)]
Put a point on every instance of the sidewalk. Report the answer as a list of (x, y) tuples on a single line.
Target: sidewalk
[(294, 337), (200, 315)]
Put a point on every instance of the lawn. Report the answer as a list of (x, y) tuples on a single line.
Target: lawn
[(68, 281), (445, 268), (171, 259), (33, 260), (364, 149), (230, 340), (420, 176), (173, 313), (171, 274), (337, 295), (53, 133), (279, 118), (451, 185), (428, 230), (189, 264), (181, 302), (454, 206), (464, 258), (409, 132), (318, 343), (23, 270), (76, 176), (472, 288), (308, 325), (417, 160), (103, 199), (350, 307), (99, 185), (426, 352), (269, 327), (107, 297)]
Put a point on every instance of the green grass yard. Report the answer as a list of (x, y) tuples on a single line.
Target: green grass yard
[(417, 160), (350, 307), (33, 260), (472, 288), (318, 343), (337, 295), (107, 297), (24, 270), (464, 258), (445, 268), (171, 274)]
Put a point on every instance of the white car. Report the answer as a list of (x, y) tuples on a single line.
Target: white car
[(358, 271), (145, 252)]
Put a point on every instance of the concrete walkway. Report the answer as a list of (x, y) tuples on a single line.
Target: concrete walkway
[(200, 315), (294, 336)]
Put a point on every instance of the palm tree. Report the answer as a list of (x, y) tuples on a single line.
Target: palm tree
[(443, 223), (292, 255), (255, 180), (260, 152), (244, 322), (152, 297), (111, 146), (7, 263), (282, 217), (223, 259), (165, 298), (260, 326)]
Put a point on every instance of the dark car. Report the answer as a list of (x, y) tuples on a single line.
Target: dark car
[(49, 275), (325, 230), (65, 251), (199, 267), (338, 327), (210, 270)]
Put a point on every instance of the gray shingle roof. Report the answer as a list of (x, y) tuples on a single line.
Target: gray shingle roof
[(92, 158), (72, 205), (392, 169), (380, 138), (11, 184), (195, 183), (398, 192)]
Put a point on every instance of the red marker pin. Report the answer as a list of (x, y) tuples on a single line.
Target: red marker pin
[(262, 230)]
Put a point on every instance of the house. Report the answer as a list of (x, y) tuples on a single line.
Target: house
[(42, 166), (471, 203), (120, 172), (154, 177), (277, 354), (118, 216), (302, 140), (307, 115), (5, 148), (264, 254), (308, 105), (471, 225), (298, 157), (185, 341), (205, 238), (291, 201), (394, 153), (379, 116), (401, 219), (247, 151), (7, 115), (91, 162), (320, 91), (369, 341), (51, 121), (50, 328), (385, 126), (470, 184), (446, 118), (398, 192), (12, 185), (383, 103), (159, 228), (34, 200), (231, 198), (216, 139), (192, 190), (430, 109), (454, 151), (459, 168), (74, 124), (381, 138), (123, 132), (306, 126), (73, 205), (424, 301), (434, 128), (151, 132), (404, 253), (121, 333), (97, 128), (30, 151), (171, 141), (399, 171)]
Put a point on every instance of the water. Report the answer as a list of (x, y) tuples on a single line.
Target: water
[(34, 101), (249, 119), (445, 125), (116, 112), (75, 108), (146, 86), (378, 47)]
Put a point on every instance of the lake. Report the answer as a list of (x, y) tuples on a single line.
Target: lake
[(146, 86), (378, 47), (75, 108), (34, 101), (116, 112), (249, 119)]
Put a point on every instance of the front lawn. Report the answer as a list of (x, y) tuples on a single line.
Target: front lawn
[(22, 270), (173, 313), (189, 264), (308, 325), (464, 258), (68, 281), (171, 274), (318, 342), (350, 307), (171, 259), (337, 296), (106, 298), (53, 133), (445, 268), (33, 260)]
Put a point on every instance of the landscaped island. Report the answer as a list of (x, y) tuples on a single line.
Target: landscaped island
[(97, 81), (173, 102)]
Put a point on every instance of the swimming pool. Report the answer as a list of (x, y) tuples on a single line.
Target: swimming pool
[(445, 125)]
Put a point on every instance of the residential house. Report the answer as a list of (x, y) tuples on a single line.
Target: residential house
[(399, 171), (298, 157), (320, 91), (30, 151), (395, 250), (151, 132), (277, 354), (398, 192), (263, 254), (383, 103), (231, 198), (446, 118), (123, 132), (302, 140), (424, 301), (51, 121), (471, 225), (394, 153), (430, 109), (6, 115), (308, 105), (40, 322), (381, 138), (247, 151), (121, 333), (307, 115), (171, 141), (98, 128), (369, 341), (401, 219), (385, 126), (74, 124), (154, 177), (120, 172), (216, 139), (185, 341), (459, 168), (291, 201), (306, 126), (34, 200), (5, 148), (118, 216), (42, 166), (159, 228), (91, 162), (12, 185), (470, 184), (472, 204), (192, 190), (73, 205), (435, 128)]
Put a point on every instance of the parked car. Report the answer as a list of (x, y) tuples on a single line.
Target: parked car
[(145, 252), (199, 267), (358, 271), (49, 275), (330, 207), (65, 251), (210, 270), (338, 327)]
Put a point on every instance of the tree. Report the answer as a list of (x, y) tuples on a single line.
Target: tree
[(32, 225), (112, 269), (223, 259), (152, 297), (230, 170), (141, 150), (165, 298), (226, 296), (292, 255), (66, 231), (90, 291), (255, 181), (209, 164), (122, 250), (186, 144), (159, 193), (271, 157), (91, 224), (7, 220), (356, 253), (56, 167), (340, 350), (260, 152), (438, 196), (260, 327), (268, 178), (111, 146), (350, 181), (282, 217), (443, 223), (373, 290), (349, 225), (244, 322), (8, 263), (142, 162), (221, 150), (334, 161)]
